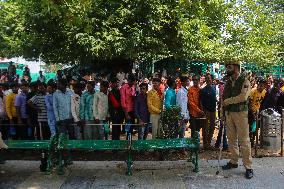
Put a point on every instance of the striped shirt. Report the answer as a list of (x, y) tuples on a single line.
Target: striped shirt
[(86, 106), (39, 102)]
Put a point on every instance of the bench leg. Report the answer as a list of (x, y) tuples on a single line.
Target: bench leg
[(43, 165), (60, 170), (129, 164), (60, 146), (67, 158), (196, 162), (51, 153), (61, 141), (190, 156), (49, 164)]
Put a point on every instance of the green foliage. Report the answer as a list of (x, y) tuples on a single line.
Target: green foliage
[(11, 28), (78, 31), (84, 31), (251, 32), (201, 29), (169, 123)]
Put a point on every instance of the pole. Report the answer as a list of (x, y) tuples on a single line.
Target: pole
[(221, 147), (256, 140)]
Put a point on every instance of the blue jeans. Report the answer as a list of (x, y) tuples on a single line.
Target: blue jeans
[(225, 140), (99, 131), (52, 126), (77, 130), (66, 127), (143, 131), (181, 132)]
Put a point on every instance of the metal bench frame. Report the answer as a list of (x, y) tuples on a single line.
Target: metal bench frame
[(55, 147), (48, 148), (129, 145)]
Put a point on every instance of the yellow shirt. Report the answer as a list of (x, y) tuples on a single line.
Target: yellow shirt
[(10, 107), (154, 102), (255, 99), (282, 88)]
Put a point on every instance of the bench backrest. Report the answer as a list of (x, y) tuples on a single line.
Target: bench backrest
[(177, 143), (27, 144), (98, 144)]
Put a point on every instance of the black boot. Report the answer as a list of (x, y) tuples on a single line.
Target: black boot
[(229, 166), (249, 173)]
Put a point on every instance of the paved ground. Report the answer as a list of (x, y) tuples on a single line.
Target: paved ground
[(269, 173)]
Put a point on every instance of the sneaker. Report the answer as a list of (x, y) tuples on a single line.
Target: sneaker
[(249, 173), (229, 166)]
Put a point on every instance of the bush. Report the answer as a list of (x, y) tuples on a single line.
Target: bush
[(169, 123)]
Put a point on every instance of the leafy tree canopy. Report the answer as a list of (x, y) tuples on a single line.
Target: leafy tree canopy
[(82, 31)]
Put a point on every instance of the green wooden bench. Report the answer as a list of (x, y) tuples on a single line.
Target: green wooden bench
[(46, 146), (27, 144), (190, 144), (98, 145)]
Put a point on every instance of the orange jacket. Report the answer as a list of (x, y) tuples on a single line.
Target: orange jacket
[(194, 105)]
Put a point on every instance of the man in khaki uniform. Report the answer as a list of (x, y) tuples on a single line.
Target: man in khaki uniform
[(235, 105)]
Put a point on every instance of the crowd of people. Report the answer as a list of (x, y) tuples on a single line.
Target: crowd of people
[(10, 75), (85, 107), (92, 106)]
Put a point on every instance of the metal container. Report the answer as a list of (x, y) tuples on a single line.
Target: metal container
[(270, 124)]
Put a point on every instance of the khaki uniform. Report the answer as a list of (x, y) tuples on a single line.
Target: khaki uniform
[(236, 113)]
